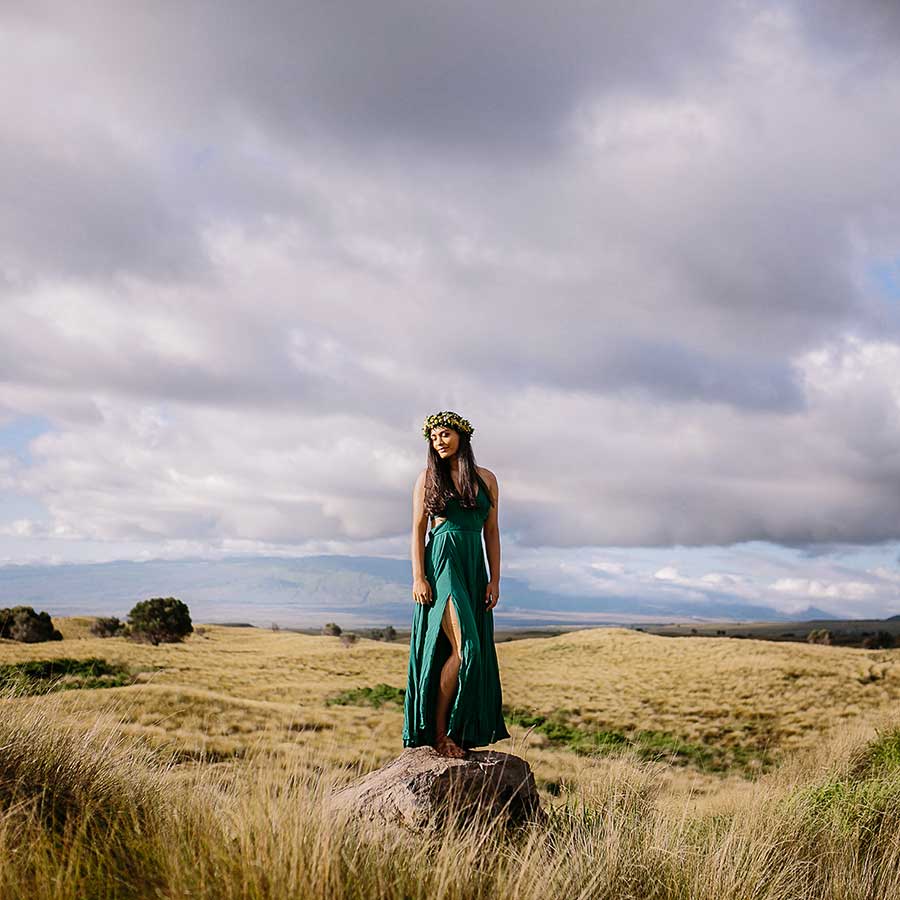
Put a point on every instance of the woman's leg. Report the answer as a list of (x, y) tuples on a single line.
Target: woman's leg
[(448, 682)]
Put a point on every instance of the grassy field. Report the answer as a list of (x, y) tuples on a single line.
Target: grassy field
[(714, 708), (661, 759)]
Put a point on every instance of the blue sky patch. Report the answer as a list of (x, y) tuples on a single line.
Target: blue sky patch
[(17, 434), (886, 277)]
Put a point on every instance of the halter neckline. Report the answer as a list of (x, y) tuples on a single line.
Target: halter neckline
[(482, 487)]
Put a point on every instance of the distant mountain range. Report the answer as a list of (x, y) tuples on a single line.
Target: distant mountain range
[(357, 591)]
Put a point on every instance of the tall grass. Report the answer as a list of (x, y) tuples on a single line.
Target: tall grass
[(88, 812)]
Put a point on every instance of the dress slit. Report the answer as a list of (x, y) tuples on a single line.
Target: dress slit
[(459, 709)]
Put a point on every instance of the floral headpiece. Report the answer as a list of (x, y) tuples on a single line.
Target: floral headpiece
[(450, 419)]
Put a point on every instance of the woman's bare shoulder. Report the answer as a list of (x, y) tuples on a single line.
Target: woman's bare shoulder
[(487, 475)]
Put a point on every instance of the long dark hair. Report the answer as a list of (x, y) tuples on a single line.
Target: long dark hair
[(439, 486)]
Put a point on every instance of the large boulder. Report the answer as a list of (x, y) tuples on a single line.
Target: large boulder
[(420, 789)]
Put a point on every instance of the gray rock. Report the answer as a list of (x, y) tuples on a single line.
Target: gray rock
[(420, 789)]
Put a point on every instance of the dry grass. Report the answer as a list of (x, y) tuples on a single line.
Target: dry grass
[(716, 691), (205, 779), (88, 812), (229, 691)]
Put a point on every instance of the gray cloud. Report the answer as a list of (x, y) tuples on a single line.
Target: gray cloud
[(646, 238), (866, 31), (463, 76)]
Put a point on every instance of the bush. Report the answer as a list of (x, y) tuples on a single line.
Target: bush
[(348, 638), (22, 623), (383, 634), (332, 629), (107, 627), (160, 620), (880, 758), (369, 696), (881, 640), (40, 676)]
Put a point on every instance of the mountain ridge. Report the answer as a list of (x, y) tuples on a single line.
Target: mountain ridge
[(310, 590)]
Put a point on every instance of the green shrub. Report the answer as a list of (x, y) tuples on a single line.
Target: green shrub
[(40, 676), (881, 640), (880, 757), (108, 627), (383, 634), (587, 740), (859, 802), (22, 623), (369, 696), (160, 620), (332, 629), (853, 808)]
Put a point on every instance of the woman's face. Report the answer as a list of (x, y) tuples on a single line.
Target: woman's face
[(445, 441)]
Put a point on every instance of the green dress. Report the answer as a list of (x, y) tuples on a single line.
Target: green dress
[(455, 567)]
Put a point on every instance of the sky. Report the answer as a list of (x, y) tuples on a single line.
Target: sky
[(651, 253)]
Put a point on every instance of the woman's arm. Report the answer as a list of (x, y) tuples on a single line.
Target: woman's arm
[(421, 587), (492, 540)]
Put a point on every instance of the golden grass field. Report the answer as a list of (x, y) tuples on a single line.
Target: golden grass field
[(226, 690), (241, 718)]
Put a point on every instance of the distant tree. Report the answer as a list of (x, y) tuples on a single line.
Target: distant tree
[(160, 620), (22, 623), (276, 626), (819, 636), (107, 627), (332, 629), (348, 638), (881, 640), (390, 633), (376, 634)]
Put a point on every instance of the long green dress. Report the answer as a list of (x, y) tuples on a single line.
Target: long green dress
[(455, 567)]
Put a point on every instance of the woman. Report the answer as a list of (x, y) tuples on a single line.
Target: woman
[(453, 699)]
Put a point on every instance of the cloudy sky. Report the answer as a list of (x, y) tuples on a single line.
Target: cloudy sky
[(655, 259)]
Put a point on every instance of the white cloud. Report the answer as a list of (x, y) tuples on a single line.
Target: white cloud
[(645, 283), (818, 590)]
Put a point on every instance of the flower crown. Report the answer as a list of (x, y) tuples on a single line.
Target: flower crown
[(450, 419)]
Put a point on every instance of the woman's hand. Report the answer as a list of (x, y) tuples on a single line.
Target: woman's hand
[(492, 594), (422, 591)]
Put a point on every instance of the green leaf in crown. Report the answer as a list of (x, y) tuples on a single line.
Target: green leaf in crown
[(450, 419)]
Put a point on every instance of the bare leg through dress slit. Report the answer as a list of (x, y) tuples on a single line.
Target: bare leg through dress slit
[(449, 678)]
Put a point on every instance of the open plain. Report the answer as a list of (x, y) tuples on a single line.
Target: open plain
[(671, 767), (718, 710)]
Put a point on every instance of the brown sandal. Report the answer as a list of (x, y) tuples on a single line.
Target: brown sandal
[(446, 746)]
